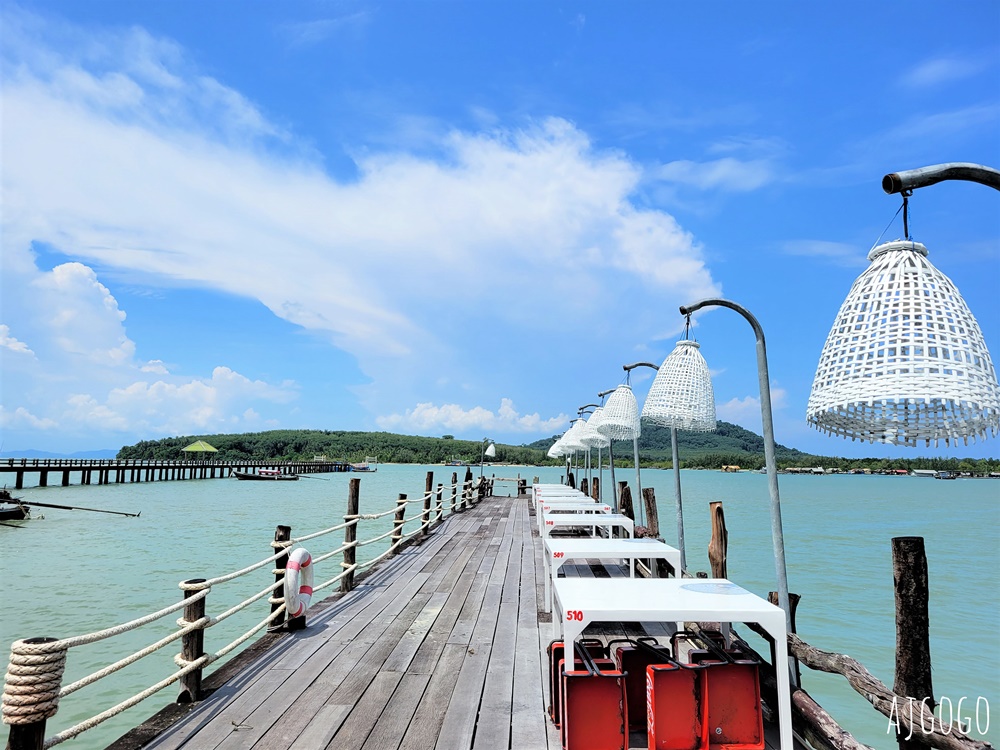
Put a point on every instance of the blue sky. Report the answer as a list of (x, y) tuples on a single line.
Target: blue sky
[(462, 218)]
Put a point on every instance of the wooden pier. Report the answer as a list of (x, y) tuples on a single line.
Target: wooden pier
[(440, 647), (121, 471)]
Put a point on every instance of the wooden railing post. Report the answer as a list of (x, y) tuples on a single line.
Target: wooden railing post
[(351, 533), (281, 534), (913, 647), (397, 525), (454, 491), (440, 501), (192, 647), (425, 517)]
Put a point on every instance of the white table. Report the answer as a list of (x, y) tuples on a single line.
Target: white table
[(607, 521), (581, 601), (571, 506), (559, 551)]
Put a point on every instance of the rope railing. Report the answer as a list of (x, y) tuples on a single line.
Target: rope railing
[(32, 685)]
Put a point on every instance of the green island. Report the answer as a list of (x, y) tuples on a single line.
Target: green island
[(729, 445)]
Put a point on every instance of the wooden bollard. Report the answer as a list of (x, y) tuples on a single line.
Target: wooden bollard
[(31, 735), (440, 503), (522, 487), (425, 517), (718, 546), (652, 514), (625, 500), (913, 648), (281, 534), (192, 647), (595, 488), (585, 486), (454, 491), (570, 479), (351, 533), (397, 525)]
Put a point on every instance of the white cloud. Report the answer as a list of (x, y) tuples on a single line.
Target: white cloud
[(729, 174), (21, 418), (12, 344), (746, 411), (428, 417), (838, 253), (120, 154), (940, 70)]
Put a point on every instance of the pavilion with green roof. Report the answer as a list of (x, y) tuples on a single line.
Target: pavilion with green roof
[(199, 450)]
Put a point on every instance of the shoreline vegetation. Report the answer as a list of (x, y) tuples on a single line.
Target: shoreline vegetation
[(729, 446)]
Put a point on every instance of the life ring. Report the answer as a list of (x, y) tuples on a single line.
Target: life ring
[(298, 582)]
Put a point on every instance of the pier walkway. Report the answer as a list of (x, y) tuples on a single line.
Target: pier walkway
[(440, 647)]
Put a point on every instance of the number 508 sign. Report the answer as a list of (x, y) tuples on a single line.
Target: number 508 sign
[(575, 614)]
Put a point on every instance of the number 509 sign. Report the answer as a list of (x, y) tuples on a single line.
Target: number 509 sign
[(575, 614)]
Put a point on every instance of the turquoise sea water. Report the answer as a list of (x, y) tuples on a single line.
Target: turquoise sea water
[(75, 572)]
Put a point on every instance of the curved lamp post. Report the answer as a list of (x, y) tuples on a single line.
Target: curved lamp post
[(777, 536), (905, 361), (594, 439)]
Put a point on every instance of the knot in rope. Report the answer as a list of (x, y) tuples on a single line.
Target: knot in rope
[(31, 686), (282, 545)]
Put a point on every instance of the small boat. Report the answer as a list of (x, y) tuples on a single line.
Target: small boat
[(265, 474), (11, 509), (366, 465)]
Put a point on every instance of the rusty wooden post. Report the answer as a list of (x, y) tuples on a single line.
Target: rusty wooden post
[(718, 547), (913, 648), (281, 534), (192, 647), (652, 515), (397, 525), (440, 503), (425, 517), (625, 500), (585, 486), (595, 488), (351, 533)]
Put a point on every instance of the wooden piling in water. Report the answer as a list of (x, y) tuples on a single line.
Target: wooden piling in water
[(718, 546), (913, 648)]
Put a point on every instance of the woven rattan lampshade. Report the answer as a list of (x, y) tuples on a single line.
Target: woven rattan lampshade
[(905, 361), (620, 419), (572, 439), (592, 438), (681, 395)]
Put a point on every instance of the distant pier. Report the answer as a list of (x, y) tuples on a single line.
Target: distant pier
[(122, 471)]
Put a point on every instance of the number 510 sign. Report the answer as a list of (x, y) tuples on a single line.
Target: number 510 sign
[(574, 615)]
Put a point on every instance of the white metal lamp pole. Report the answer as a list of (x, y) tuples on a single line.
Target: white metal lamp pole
[(777, 536)]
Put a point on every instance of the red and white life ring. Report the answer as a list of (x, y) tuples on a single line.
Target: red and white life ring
[(298, 582)]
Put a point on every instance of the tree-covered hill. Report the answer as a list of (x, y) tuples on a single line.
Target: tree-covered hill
[(303, 445), (729, 445)]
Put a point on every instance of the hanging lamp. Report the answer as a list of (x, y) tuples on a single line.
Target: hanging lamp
[(681, 398), (620, 421), (905, 361)]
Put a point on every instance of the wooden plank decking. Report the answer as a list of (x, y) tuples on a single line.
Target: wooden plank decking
[(440, 648)]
